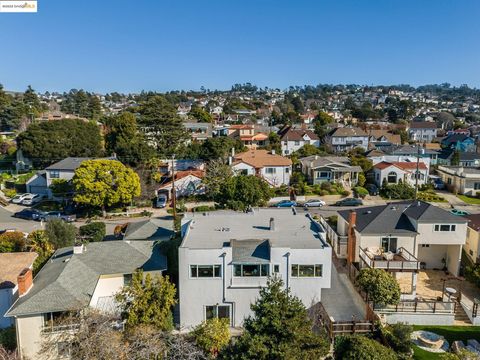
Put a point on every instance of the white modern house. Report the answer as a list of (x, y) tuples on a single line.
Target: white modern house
[(395, 172), (73, 279), (422, 131), (273, 168), (225, 258)]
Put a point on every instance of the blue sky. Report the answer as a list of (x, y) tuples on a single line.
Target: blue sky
[(107, 45)]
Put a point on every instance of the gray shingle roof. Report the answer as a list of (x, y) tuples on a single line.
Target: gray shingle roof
[(158, 229), (72, 163), (67, 281), (341, 162), (397, 218)]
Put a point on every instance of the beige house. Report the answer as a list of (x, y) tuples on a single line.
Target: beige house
[(472, 245), (462, 180)]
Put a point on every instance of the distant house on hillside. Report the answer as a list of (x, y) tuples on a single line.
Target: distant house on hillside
[(422, 131), (199, 131), (460, 142), (248, 136), (347, 138), (187, 183)]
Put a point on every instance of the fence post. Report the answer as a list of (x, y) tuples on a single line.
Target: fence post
[(434, 307), (416, 302)]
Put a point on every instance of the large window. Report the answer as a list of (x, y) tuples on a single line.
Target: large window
[(445, 227), (127, 279), (307, 270), (270, 170), (389, 244), (54, 174), (392, 177), (205, 271), (476, 186), (251, 270), (217, 311), (324, 174)]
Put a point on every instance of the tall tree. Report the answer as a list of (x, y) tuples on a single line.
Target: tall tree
[(380, 286), (60, 233), (148, 301), (279, 329), (103, 183), (161, 125)]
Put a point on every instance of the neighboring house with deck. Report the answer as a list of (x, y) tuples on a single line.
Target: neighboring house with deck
[(336, 169), (225, 259), (13, 270), (73, 279), (273, 168), (404, 237)]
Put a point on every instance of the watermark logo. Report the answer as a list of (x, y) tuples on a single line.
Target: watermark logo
[(12, 6)]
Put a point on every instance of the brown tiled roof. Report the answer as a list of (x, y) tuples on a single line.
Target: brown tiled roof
[(349, 131), (297, 135), (12, 264), (261, 158), (423, 125)]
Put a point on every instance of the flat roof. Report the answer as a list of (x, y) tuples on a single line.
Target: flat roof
[(215, 230)]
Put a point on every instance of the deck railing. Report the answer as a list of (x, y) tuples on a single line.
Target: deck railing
[(407, 263), (338, 242), (419, 306)]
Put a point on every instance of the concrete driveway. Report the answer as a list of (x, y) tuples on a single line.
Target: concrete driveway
[(342, 302)]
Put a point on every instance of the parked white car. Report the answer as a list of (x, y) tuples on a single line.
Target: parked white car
[(314, 203), (17, 199), (161, 201), (32, 199)]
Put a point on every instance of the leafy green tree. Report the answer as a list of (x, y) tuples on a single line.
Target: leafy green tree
[(361, 179), (358, 347), (279, 329), (148, 300), (201, 115), (161, 125), (399, 339), (380, 286), (308, 150), (51, 141), (455, 158), (397, 191), (38, 242), (123, 138), (212, 335), (95, 231), (61, 187), (240, 192), (60, 234), (218, 173), (321, 121), (13, 241), (357, 158), (274, 143), (104, 183)]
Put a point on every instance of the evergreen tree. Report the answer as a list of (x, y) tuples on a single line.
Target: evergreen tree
[(279, 329)]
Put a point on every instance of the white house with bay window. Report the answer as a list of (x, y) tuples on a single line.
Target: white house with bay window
[(225, 259)]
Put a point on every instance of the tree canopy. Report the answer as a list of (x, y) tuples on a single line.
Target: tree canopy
[(51, 141), (358, 347), (381, 286), (104, 183), (241, 191), (279, 329)]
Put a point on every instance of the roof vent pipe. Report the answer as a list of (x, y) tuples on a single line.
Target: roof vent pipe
[(272, 224), (294, 210)]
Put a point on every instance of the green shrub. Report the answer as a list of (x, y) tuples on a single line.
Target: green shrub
[(358, 347), (8, 338), (398, 337), (12, 241), (10, 192), (95, 231), (212, 335), (203, 208), (360, 191), (397, 191)]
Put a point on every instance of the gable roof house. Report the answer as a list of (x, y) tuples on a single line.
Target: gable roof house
[(13, 270), (395, 172), (199, 131), (422, 131), (459, 142), (75, 278), (337, 169), (382, 138), (461, 180), (292, 140), (273, 168), (187, 183), (401, 236), (347, 138), (154, 229), (225, 258), (248, 135)]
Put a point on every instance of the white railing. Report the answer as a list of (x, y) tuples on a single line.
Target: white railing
[(338, 242), (408, 262)]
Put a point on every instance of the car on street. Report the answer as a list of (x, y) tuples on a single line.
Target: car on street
[(314, 203), (32, 199), (56, 215), (17, 199), (285, 203), (27, 214), (349, 202), (459, 212), (372, 189)]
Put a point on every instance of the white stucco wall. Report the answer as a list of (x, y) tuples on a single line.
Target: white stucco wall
[(280, 177), (29, 330), (107, 286), (419, 318)]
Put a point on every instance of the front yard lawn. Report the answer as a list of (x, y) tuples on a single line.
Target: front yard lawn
[(469, 200), (450, 333)]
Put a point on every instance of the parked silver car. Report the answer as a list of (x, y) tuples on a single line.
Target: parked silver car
[(314, 203)]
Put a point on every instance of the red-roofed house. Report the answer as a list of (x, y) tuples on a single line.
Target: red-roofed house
[(187, 183), (395, 172)]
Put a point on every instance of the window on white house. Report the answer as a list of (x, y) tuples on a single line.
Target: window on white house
[(251, 270), (297, 143), (324, 174), (299, 270), (54, 174), (287, 170), (127, 279), (445, 227), (425, 245), (476, 186), (270, 170), (205, 271), (276, 269), (217, 311)]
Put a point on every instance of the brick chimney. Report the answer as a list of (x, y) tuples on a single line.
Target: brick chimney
[(25, 281), (352, 241)]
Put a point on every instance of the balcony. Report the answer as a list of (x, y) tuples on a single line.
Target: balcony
[(402, 260)]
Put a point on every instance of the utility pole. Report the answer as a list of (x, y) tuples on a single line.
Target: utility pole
[(174, 195)]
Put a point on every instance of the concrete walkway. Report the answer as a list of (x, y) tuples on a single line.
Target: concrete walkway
[(341, 301)]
